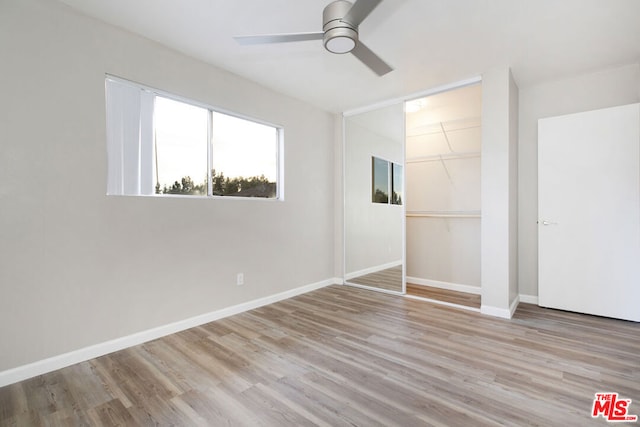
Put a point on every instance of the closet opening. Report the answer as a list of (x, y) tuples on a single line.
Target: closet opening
[(442, 191)]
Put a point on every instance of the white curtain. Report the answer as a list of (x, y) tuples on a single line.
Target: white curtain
[(129, 139)]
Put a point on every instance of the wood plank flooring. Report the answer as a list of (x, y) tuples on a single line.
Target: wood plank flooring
[(389, 279), (453, 297), (345, 356)]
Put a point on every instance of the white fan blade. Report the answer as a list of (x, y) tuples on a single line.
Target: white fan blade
[(278, 38), (370, 59), (359, 11)]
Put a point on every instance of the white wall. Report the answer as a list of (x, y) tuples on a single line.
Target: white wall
[(498, 182), (514, 287), (79, 268), (605, 88), (338, 198)]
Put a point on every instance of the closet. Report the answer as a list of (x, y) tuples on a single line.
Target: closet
[(443, 155)]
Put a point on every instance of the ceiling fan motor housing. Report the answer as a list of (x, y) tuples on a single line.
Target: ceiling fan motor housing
[(339, 36)]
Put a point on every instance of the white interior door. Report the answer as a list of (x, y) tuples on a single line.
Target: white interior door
[(589, 212)]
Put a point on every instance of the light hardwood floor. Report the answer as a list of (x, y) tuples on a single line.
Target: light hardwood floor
[(389, 279), (452, 297), (347, 356)]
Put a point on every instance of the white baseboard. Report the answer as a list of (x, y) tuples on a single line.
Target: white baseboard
[(514, 305), (373, 269), (489, 310), (373, 288), (529, 299), (438, 302), (81, 355), (476, 290), (505, 313)]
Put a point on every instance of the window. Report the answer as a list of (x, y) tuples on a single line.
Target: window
[(234, 138), (180, 147), (159, 144)]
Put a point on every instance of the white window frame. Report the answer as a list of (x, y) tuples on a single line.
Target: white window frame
[(116, 183)]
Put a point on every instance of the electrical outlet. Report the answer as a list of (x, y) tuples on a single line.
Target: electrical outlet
[(240, 279)]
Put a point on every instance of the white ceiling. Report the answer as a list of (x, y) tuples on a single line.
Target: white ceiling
[(454, 105), (428, 42)]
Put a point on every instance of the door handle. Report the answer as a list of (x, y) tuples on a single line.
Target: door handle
[(544, 222)]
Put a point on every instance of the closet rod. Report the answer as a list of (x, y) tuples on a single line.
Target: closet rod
[(444, 214)]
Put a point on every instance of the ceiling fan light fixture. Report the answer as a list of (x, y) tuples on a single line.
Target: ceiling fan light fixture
[(339, 36), (340, 21), (340, 40)]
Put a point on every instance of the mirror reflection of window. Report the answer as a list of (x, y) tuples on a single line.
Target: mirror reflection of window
[(380, 190), (397, 184), (373, 227)]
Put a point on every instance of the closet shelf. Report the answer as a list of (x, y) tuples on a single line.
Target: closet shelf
[(445, 127), (443, 214), (440, 157)]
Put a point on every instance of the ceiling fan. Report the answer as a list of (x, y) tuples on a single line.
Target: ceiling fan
[(340, 21)]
